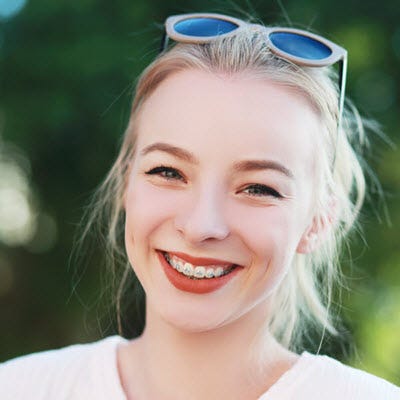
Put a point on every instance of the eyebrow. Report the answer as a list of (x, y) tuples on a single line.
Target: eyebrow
[(258, 165), (240, 166), (173, 150)]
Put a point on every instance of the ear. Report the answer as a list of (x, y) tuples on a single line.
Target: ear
[(319, 229), (309, 240)]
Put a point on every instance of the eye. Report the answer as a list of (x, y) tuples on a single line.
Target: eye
[(259, 190), (165, 172)]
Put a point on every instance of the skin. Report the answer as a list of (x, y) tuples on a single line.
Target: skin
[(207, 207)]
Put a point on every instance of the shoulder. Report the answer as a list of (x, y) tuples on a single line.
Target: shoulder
[(57, 374), (330, 377)]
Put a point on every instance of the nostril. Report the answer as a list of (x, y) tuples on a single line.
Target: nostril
[(204, 217), (202, 232)]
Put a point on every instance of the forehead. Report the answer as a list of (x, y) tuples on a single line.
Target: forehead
[(237, 116)]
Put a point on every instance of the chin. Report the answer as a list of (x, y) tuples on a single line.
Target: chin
[(193, 319)]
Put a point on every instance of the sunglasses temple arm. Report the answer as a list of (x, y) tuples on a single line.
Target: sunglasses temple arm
[(164, 42), (342, 88)]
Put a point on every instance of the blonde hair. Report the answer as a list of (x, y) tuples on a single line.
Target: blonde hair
[(305, 295)]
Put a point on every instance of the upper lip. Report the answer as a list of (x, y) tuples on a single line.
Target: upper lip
[(204, 261)]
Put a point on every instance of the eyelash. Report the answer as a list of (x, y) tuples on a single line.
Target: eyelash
[(163, 170), (261, 190)]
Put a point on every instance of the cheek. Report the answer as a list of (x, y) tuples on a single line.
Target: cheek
[(145, 211), (270, 233), (147, 207), (272, 240)]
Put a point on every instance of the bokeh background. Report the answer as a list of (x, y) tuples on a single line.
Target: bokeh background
[(67, 70)]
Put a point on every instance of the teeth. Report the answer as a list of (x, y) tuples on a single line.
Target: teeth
[(179, 266), (210, 273), (188, 269), (193, 272), (199, 272)]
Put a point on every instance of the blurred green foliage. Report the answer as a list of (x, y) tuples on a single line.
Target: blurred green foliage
[(67, 70)]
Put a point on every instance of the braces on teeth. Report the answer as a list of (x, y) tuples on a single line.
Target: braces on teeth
[(199, 272)]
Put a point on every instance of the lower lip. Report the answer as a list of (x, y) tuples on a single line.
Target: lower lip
[(198, 286)]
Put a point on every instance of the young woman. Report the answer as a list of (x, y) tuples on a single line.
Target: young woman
[(235, 185)]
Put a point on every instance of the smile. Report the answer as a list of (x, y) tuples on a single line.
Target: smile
[(197, 275), (199, 271)]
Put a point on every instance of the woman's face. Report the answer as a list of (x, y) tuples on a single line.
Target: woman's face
[(221, 183)]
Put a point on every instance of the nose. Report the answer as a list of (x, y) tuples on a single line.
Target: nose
[(203, 217)]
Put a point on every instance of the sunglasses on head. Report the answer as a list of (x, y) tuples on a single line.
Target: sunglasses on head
[(297, 46)]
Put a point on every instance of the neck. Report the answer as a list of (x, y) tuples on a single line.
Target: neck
[(215, 364)]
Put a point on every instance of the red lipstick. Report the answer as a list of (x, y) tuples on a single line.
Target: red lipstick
[(200, 260), (198, 286)]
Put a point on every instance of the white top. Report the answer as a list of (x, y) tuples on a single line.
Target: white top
[(89, 371)]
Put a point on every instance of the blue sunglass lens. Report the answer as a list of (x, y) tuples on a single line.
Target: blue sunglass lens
[(204, 27), (300, 46)]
